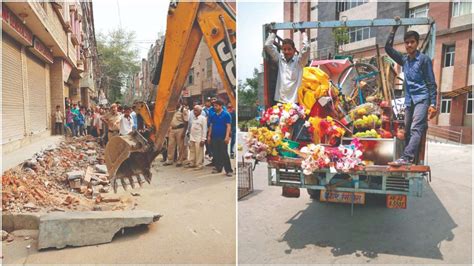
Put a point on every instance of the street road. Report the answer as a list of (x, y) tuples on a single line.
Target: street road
[(435, 228), (198, 226)]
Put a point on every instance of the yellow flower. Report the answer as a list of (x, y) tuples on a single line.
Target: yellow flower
[(285, 145)]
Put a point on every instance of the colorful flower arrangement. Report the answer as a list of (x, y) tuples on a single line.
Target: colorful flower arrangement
[(282, 115), (322, 128), (343, 158), (262, 142)]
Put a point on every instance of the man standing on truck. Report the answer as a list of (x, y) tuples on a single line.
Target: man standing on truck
[(290, 66), (420, 92)]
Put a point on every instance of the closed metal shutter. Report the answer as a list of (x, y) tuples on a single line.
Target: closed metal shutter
[(13, 115), (37, 94)]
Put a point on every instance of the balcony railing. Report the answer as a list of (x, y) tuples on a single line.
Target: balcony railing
[(441, 134)]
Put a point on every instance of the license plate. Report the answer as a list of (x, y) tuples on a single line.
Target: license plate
[(397, 201), (342, 197)]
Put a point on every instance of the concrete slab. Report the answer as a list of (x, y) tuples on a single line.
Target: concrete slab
[(12, 159), (59, 230), (12, 222)]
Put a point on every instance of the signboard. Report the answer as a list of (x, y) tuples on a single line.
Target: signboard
[(42, 51), (342, 197), (15, 27), (397, 201), (67, 68)]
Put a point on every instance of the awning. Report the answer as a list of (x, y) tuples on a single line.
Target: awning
[(457, 92)]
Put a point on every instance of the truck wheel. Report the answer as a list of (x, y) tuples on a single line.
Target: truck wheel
[(314, 193)]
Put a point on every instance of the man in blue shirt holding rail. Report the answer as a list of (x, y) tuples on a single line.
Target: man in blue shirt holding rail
[(420, 92)]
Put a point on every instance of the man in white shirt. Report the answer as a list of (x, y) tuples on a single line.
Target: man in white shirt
[(290, 66), (197, 129), (126, 122)]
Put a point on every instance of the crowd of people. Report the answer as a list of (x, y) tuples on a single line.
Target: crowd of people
[(196, 132), (100, 121), (202, 132)]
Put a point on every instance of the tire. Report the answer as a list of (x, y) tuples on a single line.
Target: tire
[(314, 193), (348, 87)]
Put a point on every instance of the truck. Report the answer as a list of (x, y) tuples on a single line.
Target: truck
[(328, 185)]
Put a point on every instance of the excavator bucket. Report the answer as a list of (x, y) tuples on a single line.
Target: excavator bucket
[(128, 159)]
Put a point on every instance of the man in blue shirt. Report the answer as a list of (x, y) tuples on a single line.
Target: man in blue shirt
[(420, 92), (219, 137)]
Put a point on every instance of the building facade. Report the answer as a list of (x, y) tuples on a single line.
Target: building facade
[(453, 48), (203, 80), (43, 61)]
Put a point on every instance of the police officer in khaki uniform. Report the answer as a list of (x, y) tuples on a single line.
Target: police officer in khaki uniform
[(176, 135), (113, 121)]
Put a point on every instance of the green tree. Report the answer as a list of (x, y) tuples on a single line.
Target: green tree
[(119, 60), (248, 90), (341, 36)]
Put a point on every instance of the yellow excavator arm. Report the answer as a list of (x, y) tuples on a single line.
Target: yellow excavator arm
[(187, 23)]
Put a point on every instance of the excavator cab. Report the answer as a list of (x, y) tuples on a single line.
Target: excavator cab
[(129, 158)]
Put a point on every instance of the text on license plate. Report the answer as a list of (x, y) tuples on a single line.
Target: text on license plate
[(342, 197), (397, 201)]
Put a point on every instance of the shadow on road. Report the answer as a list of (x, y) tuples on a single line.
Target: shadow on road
[(129, 233), (254, 193), (416, 231)]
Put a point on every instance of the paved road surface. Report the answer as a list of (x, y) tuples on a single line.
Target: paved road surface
[(434, 229)]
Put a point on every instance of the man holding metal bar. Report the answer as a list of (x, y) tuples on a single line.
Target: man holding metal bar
[(290, 66), (420, 92)]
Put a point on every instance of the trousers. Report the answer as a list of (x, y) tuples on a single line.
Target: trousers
[(221, 156), (196, 153), (416, 123), (176, 142)]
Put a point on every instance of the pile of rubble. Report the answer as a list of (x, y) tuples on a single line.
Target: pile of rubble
[(70, 177)]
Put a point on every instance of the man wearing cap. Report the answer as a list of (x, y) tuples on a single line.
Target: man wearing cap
[(112, 119), (176, 135)]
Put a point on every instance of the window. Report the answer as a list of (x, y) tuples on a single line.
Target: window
[(471, 57), (359, 34), (461, 8), (419, 11), (344, 5), (449, 55), (445, 105), (191, 77), (209, 67), (469, 103)]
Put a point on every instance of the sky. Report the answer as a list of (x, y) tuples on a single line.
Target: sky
[(250, 18), (146, 18)]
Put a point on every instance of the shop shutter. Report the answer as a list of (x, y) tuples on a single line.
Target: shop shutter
[(37, 94), (13, 116)]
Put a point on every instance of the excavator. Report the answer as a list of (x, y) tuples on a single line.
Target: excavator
[(129, 158)]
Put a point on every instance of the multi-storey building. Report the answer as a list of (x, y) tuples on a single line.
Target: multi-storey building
[(47, 49), (203, 80), (453, 56)]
